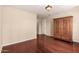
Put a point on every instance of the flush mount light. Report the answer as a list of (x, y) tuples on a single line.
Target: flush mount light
[(48, 7)]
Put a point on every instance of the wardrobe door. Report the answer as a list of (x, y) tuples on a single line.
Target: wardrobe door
[(60, 20), (67, 29), (56, 27)]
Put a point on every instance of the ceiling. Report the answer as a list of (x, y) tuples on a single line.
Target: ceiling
[(40, 9)]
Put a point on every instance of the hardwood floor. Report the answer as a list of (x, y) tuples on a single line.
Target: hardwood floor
[(43, 44), (22, 47), (52, 45)]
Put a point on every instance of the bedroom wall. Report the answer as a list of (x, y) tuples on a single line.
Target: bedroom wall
[(0, 28), (39, 26), (44, 26), (18, 25)]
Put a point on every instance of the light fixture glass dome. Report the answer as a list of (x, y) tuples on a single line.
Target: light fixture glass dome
[(48, 7)]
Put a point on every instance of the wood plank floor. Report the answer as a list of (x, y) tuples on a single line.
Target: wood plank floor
[(43, 44), (22, 47), (52, 45)]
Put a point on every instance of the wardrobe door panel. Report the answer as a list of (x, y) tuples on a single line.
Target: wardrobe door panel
[(56, 31), (54, 28), (67, 27), (60, 27)]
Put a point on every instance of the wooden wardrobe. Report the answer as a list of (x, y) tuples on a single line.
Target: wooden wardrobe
[(63, 28)]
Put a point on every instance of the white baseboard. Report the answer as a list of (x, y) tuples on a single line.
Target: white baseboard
[(17, 42)]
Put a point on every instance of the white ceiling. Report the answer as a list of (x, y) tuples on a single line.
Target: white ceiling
[(40, 9)]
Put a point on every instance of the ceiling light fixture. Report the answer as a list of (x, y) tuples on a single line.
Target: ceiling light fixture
[(48, 7)]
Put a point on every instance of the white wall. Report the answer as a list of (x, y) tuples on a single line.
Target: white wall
[(45, 26), (18, 25), (48, 26), (75, 13), (43, 23), (0, 28), (39, 26), (42, 26)]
